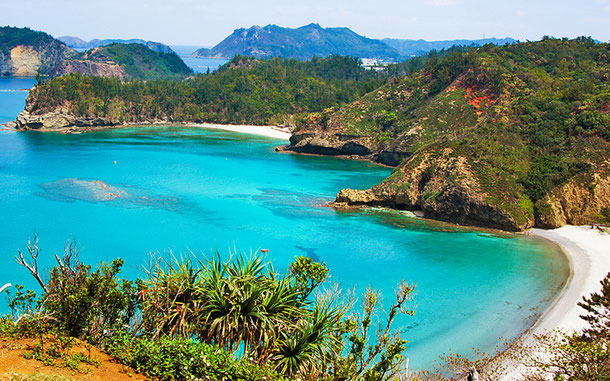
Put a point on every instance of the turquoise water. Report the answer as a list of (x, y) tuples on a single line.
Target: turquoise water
[(180, 189)]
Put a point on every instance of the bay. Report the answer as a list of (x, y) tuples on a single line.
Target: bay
[(130, 192)]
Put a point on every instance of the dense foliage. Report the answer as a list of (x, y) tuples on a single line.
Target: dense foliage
[(183, 359), (235, 318), (243, 91)]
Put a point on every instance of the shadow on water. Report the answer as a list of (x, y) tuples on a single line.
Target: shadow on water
[(123, 196)]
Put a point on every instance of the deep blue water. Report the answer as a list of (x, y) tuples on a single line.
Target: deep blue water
[(199, 65), (184, 189)]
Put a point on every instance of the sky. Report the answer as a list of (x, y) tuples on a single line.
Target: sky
[(207, 22)]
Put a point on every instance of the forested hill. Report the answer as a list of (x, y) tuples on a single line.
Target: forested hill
[(508, 137), (300, 43), (245, 90), (26, 53)]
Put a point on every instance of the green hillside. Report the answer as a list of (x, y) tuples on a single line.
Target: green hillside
[(138, 61), (507, 136)]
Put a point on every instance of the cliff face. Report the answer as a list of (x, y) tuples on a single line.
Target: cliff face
[(23, 52), (582, 200), (59, 121), (100, 69)]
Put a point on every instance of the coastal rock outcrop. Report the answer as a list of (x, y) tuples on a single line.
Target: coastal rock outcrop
[(444, 188), (58, 121), (341, 144), (582, 200)]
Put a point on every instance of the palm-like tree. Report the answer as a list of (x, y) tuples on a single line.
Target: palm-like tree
[(242, 304)]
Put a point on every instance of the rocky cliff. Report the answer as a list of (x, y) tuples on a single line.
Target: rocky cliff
[(580, 201), (60, 121), (25, 53), (444, 187)]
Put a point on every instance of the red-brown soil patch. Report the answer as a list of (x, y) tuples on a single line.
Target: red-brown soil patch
[(13, 366)]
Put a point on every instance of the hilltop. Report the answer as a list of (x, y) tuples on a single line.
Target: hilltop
[(419, 47), (26, 53), (508, 137), (300, 43)]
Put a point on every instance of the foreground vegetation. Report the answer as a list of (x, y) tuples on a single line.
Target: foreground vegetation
[(237, 319), (212, 319)]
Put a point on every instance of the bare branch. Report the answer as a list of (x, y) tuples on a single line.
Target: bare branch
[(34, 250)]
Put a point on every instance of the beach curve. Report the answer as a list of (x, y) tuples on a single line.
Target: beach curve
[(588, 252), (268, 131)]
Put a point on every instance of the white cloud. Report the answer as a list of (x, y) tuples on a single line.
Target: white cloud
[(441, 3)]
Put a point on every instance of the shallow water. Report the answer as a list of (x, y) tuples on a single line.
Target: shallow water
[(128, 192)]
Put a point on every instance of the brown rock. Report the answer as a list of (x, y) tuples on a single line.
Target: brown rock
[(577, 202)]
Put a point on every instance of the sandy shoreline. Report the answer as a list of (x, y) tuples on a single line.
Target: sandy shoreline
[(268, 131), (275, 132), (588, 251)]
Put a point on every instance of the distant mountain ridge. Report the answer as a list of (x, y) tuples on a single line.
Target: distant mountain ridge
[(300, 43), (313, 40), (419, 47), (78, 43)]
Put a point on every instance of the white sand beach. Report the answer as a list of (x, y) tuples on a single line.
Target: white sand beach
[(589, 253), (269, 131)]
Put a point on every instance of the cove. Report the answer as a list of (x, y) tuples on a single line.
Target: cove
[(132, 191)]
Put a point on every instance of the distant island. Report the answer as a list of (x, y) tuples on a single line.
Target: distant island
[(300, 43), (313, 40), (507, 137), (28, 53), (79, 44)]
